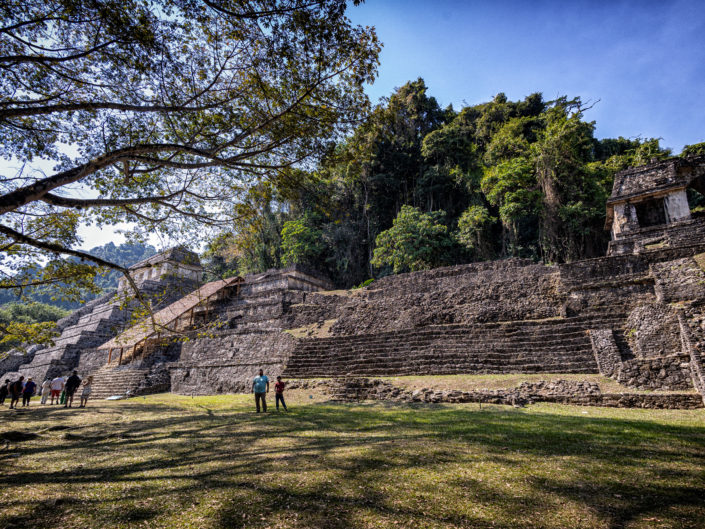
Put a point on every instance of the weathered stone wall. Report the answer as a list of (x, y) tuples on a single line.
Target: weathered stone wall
[(263, 309), (603, 271), (652, 331), (579, 393), (91, 360), (678, 280), (692, 324), (227, 362), (609, 361), (667, 373), (15, 358), (485, 292), (683, 234)]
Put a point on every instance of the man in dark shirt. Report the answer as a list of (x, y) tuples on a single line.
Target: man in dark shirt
[(4, 390), (28, 391), (15, 392), (71, 386), (279, 393)]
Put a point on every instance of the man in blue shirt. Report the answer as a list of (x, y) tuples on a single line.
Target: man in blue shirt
[(260, 387)]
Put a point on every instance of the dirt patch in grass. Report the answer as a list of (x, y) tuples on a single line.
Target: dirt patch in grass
[(170, 461), (313, 330)]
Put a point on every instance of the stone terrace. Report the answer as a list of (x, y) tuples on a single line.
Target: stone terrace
[(552, 346)]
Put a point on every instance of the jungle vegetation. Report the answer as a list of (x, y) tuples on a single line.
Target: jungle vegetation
[(418, 186)]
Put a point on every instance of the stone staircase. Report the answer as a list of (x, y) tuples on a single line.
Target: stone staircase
[(559, 345), (88, 327), (109, 381)]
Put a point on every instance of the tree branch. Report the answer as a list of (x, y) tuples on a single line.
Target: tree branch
[(66, 202)]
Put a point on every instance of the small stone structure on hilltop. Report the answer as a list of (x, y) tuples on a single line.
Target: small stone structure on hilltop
[(636, 315), (649, 208)]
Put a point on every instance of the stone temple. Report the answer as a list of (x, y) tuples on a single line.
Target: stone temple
[(636, 315)]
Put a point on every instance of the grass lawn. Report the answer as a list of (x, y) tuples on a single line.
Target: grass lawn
[(171, 461)]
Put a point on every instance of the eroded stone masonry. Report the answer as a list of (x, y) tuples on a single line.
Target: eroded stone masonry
[(636, 315)]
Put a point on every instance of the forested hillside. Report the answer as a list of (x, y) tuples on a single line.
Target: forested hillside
[(54, 293), (418, 186)]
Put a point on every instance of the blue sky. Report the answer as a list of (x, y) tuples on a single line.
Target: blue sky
[(643, 60)]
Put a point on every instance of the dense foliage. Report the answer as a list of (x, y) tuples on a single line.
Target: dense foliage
[(417, 186), (27, 323), (416, 241)]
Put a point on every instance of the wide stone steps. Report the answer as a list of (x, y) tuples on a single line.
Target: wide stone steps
[(100, 313), (440, 345), (474, 360), (451, 340), (448, 339), (560, 345), (108, 382), (108, 325), (471, 359), (575, 327)]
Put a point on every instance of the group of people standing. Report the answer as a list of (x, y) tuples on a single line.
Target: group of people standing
[(62, 389), (260, 387)]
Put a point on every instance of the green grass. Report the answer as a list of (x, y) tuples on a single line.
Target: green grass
[(204, 462)]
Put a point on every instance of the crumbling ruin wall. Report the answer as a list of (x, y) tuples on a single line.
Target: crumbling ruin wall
[(581, 393), (678, 235), (91, 360), (227, 361), (661, 334), (679, 280), (476, 293), (667, 373), (419, 323), (692, 324), (652, 331), (604, 346)]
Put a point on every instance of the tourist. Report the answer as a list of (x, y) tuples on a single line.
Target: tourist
[(260, 387), (86, 391), (28, 391), (57, 385), (46, 391), (279, 393), (62, 398), (70, 388), (4, 390), (15, 392)]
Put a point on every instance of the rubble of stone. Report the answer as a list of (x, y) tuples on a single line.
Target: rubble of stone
[(580, 392), (636, 315)]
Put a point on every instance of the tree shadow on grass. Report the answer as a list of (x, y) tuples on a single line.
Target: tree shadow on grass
[(347, 455)]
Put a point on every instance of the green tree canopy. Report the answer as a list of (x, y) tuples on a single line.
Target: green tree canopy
[(302, 242), (416, 241), (162, 113), (696, 149), (28, 323)]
